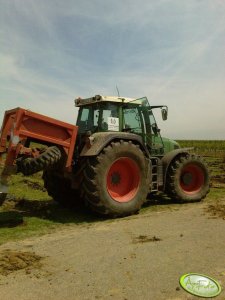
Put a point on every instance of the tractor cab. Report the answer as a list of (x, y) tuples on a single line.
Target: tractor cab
[(118, 114)]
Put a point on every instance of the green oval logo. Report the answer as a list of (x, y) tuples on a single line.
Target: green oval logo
[(200, 285)]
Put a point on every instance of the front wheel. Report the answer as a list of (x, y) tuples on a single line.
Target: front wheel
[(116, 182), (187, 179)]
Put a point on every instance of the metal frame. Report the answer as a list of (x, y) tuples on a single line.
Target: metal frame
[(20, 124)]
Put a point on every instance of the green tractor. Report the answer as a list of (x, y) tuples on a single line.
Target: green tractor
[(115, 159)]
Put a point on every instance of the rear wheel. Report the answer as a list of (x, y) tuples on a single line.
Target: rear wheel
[(187, 179), (116, 182)]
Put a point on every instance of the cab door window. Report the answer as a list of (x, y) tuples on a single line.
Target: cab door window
[(132, 120)]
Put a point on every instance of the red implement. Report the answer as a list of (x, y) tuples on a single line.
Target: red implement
[(20, 125)]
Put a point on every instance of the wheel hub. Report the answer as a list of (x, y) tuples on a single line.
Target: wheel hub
[(187, 178), (115, 178)]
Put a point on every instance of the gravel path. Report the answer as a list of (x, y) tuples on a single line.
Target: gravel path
[(139, 257)]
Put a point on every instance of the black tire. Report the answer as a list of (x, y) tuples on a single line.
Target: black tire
[(116, 183), (187, 179), (50, 157), (60, 190)]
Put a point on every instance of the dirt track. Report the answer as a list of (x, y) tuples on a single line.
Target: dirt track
[(139, 257)]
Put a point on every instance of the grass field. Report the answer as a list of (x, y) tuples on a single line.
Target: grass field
[(206, 148), (29, 210)]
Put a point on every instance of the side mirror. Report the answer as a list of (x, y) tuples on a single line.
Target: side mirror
[(164, 112)]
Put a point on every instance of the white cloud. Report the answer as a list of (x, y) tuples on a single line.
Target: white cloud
[(170, 50)]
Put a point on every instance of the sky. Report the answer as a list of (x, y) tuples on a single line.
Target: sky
[(172, 51)]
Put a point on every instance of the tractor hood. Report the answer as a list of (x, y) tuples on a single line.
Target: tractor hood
[(169, 145)]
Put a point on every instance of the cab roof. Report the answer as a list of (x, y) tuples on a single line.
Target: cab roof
[(98, 98)]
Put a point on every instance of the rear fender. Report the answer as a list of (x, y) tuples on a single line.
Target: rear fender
[(100, 140)]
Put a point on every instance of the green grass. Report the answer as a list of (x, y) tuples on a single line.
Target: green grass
[(31, 227), (32, 212), (38, 218), (29, 202), (28, 187), (217, 194)]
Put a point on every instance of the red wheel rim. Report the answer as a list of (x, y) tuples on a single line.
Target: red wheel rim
[(192, 179), (123, 179)]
